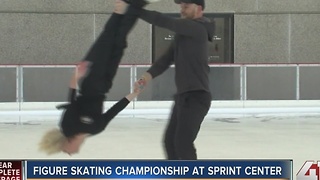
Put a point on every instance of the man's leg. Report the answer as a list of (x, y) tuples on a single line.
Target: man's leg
[(193, 107), (169, 135)]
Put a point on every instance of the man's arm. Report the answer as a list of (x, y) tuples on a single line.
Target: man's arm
[(181, 26), (163, 63), (158, 67)]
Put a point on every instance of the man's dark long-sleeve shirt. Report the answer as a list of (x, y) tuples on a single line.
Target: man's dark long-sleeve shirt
[(188, 52)]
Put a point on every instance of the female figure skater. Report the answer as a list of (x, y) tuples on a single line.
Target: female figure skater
[(83, 116)]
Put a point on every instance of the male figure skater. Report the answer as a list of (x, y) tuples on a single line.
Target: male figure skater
[(189, 53)]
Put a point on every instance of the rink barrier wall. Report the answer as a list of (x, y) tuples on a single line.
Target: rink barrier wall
[(230, 109), (246, 89)]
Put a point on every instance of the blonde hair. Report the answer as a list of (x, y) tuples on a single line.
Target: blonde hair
[(52, 141)]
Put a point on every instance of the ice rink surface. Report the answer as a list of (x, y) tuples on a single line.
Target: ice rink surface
[(129, 137)]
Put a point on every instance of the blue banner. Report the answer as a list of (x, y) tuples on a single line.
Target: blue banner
[(144, 169)]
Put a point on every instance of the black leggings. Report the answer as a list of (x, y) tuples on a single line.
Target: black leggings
[(106, 53)]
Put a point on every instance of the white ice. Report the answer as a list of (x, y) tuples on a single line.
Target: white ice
[(128, 137)]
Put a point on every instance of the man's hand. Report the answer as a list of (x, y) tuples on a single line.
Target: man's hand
[(140, 84)]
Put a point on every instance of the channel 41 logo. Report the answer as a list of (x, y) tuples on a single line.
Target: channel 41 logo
[(309, 171)]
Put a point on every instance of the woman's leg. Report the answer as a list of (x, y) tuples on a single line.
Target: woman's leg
[(100, 52), (108, 50), (127, 23)]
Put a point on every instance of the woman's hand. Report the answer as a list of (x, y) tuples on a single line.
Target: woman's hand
[(81, 69)]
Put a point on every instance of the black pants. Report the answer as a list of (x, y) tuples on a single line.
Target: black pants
[(106, 53), (187, 115)]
